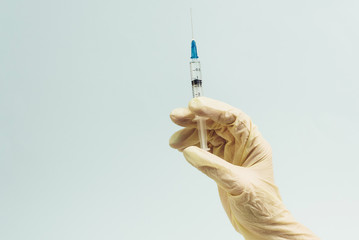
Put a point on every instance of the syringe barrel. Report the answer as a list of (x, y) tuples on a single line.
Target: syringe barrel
[(196, 77), (195, 67)]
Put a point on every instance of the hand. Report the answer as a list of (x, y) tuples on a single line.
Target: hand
[(240, 162)]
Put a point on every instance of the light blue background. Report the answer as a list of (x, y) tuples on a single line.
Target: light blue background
[(86, 88)]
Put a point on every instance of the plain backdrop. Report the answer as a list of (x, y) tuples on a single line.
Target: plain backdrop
[(86, 88)]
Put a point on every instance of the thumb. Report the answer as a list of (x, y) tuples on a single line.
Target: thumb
[(231, 178)]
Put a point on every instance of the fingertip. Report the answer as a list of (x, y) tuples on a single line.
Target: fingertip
[(184, 138), (189, 150), (175, 113), (171, 143), (194, 152), (183, 117), (198, 106), (189, 154), (174, 141)]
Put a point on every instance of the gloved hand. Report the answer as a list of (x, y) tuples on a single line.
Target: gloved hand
[(240, 162)]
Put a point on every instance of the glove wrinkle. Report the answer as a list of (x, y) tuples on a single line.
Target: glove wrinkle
[(240, 162)]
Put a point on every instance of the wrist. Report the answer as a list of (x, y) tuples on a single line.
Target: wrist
[(281, 227)]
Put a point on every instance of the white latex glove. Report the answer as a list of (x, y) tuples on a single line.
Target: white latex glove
[(240, 162)]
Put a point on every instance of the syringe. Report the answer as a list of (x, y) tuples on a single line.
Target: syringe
[(196, 78)]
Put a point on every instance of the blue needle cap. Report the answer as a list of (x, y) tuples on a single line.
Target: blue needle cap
[(194, 49)]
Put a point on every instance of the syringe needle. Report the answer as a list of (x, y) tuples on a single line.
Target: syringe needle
[(191, 22)]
